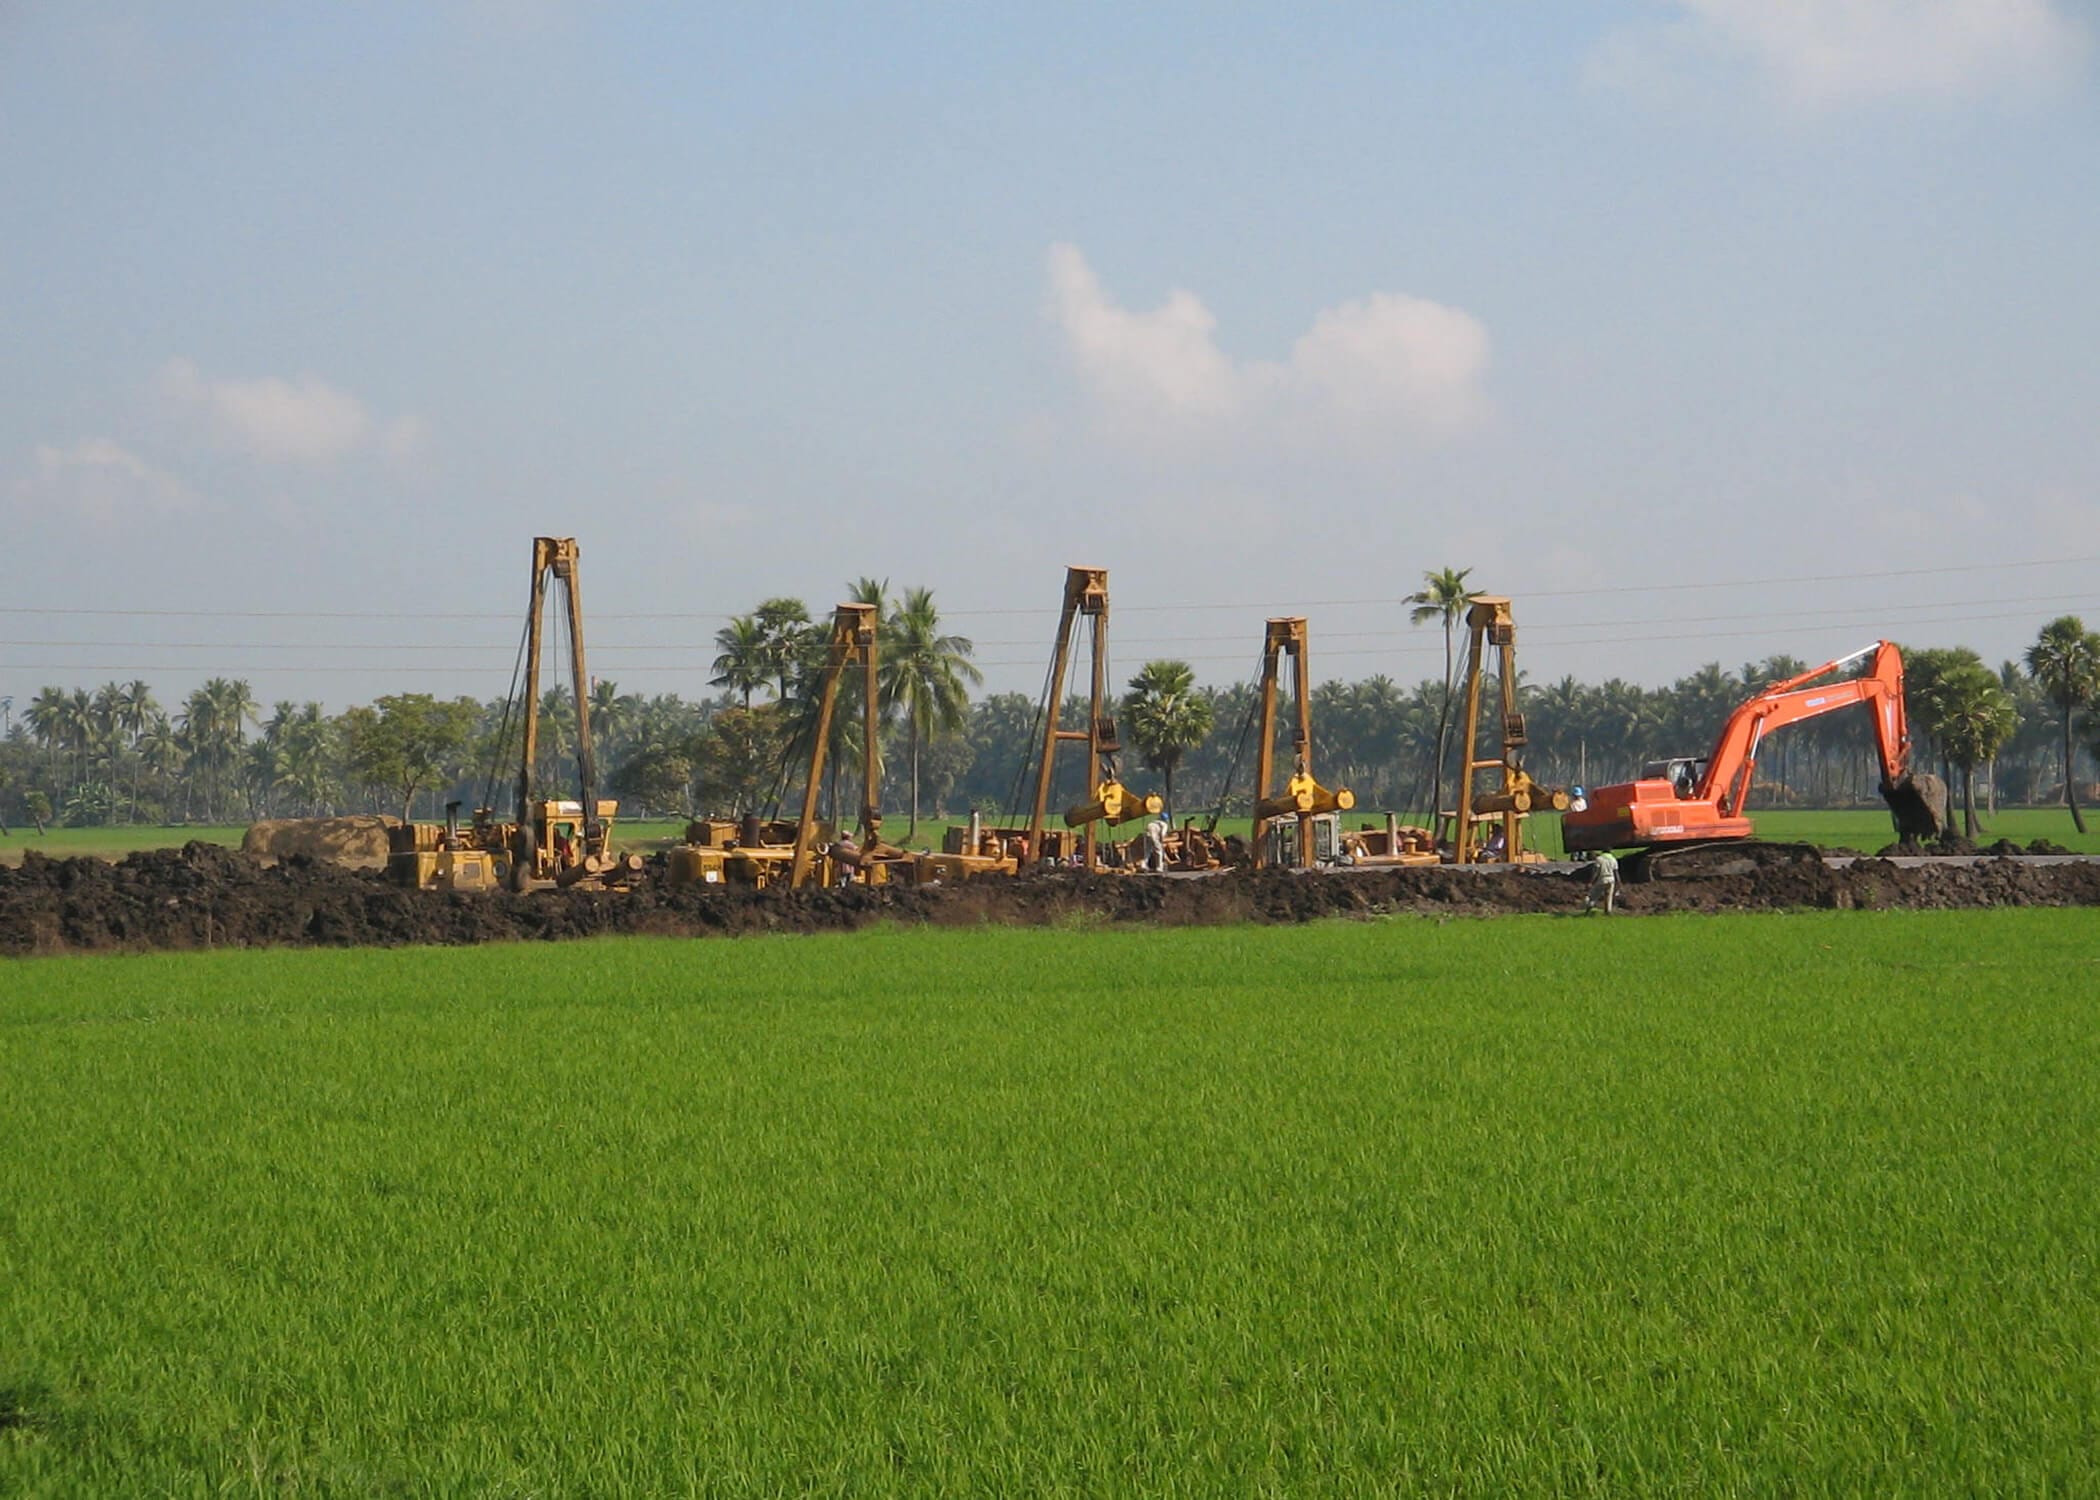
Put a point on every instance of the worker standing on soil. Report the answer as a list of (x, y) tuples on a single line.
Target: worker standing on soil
[(1604, 883), (1156, 846)]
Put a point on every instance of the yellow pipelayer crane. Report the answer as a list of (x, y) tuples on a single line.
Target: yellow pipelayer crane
[(1107, 799), (852, 640), (1302, 797), (556, 841), (755, 852), (1494, 628), (553, 841)]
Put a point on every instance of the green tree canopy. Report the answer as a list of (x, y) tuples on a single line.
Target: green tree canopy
[(1166, 717), (1442, 597), (1973, 718), (2065, 660), (928, 674), (743, 661), (406, 741)]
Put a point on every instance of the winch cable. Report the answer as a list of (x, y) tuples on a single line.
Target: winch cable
[(799, 708), (1031, 756), (499, 750), (1239, 749), (784, 769), (1108, 678)]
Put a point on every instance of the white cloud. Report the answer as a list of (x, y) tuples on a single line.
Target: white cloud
[(1827, 52), (403, 437), (1389, 363), (305, 420), (103, 481)]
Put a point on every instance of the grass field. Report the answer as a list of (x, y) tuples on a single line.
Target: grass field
[(1867, 829), (109, 843), (1753, 1205)]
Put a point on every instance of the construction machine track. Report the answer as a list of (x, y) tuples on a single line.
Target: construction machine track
[(1713, 861)]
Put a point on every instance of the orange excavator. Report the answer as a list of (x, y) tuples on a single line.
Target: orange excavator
[(1686, 803)]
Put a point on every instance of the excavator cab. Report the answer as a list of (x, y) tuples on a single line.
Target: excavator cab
[(1684, 773)]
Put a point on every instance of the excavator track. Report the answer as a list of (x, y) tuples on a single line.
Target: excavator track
[(1708, 861)]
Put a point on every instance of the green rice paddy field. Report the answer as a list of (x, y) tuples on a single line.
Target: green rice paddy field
[(1798, 1204)]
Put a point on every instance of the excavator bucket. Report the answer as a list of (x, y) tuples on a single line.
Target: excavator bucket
[(1919, 806)]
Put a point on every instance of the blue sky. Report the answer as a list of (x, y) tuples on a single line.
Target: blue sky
[(1708, 329)]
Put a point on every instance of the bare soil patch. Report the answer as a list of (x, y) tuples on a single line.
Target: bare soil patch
[(207, 896)]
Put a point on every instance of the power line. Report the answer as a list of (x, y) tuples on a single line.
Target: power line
[(1768, 631), (1418, 642), (1613, 591)]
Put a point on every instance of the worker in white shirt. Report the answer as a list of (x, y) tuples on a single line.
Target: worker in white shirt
[(1156, 845), (1604, 883)]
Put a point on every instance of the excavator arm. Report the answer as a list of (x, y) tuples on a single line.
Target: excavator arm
[(1733, 764)]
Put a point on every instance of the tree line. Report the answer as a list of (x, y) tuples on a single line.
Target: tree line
[(2026, 731)]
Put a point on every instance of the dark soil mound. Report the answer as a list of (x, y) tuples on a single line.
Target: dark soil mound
[(205, 896)]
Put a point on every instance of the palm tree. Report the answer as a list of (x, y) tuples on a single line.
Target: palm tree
[(160, 750), (929, 674), (1698, 706), (612, 717), (200, 744), (261, 776), (1972, 718), (800, 710), (214, 729), (1923, 671), (1441, 597), (1167, 717), (46, 718), (306, 756), (79, 724), (558, 744), (108, 722), (788, 636), (237, 706), (1623, 717), (1559, 714), (745, 662), (2065, 659), (137, 710)]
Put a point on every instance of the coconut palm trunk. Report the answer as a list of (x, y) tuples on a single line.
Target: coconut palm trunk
[(912, 730), (1442, 597), (1443, 732), (2070, 779)]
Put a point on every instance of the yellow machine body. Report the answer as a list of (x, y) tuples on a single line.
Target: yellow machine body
[(447, 857), (953, 869), (693, 864), (445, 869), (1107, 799), (760, 854), (1115, 803), (561, 853), (1316, 835), (1395, 845), (1513, 796)]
